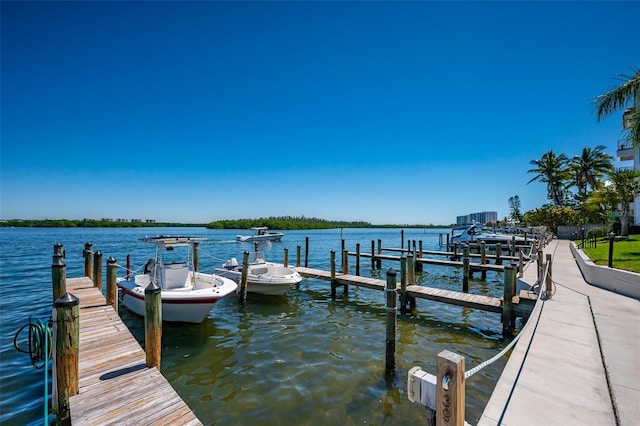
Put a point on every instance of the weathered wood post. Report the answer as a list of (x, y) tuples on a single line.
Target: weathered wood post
[(87, 253), (465, 268), (450, 389), (298, 255), (153, 324), (244, 277), (333, 274), (402, 239), (379, 260), (508, 319), (411, 268), (97, 270), (58, 249), (499, 254), (548, 284), (66, 333), (58, 275), (404, 267), (440, 240), (390, 358), (448, 245), (128, 267), (306, 252), (420, 255), (483, 259), (455, 251), (520, 263), (286, 257), (358, 259), (345, 262), (196, 253), (112, 288), (373, 254), (540, 263)]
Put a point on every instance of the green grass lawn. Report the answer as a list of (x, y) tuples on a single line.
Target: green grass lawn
[(626, 253)]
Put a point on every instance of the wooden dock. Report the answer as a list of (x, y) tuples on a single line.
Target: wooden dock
[(115, 385), (474, 267), (522, 304)]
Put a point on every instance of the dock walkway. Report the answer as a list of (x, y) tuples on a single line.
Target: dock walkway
[(577, 362), (522, 305), (115, 385)]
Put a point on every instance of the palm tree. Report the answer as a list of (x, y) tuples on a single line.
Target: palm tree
[(590, 167), (627, 95), (552, 170), (623, 188)]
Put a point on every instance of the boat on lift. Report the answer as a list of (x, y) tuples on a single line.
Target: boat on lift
[(187, 295), (267, 278), (478, 233)]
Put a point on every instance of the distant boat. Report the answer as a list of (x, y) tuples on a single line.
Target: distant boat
[(187, 295), (261, 233), (271, 279), (478, 233)]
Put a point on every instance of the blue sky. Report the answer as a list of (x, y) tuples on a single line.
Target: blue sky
[(387, 112)]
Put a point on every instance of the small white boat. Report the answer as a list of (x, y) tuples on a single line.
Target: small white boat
[(478, 233), (261, 233), (187, 295), (271, 279)]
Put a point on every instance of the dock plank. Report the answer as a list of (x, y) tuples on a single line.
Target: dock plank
[(115, 385), (469, 300)]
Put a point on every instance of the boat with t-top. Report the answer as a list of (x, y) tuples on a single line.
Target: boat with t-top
[(187, 295)]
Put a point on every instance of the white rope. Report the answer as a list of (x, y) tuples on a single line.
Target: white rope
[(479, 367)]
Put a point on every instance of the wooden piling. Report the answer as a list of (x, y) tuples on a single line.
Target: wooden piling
[(196, 252), (498, 254), (448, 245), (66, 332), (404, 268), (244, 277), (88, 259), (128, 267), (358, 259), (153, 324), (298, 255), (483, 259), (379, 261), (450, 389), (112, 288), (345, 261), (465, 268), (520, 263), (58, 275), (548, 284), (97, 270), (419, 265), (402, 238), (286, 257), (390, 352), (508, 318), (373, 254), (333, 274), (306, 252)]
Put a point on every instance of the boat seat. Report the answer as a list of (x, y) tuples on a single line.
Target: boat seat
[(173, 277), (260, 270)]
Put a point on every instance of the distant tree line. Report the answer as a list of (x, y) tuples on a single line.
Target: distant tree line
[(287, 223), (85, 223)]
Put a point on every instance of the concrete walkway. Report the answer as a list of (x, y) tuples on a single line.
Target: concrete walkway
[(578, 360)]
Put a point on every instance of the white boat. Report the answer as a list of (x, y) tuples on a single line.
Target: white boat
[(271, 279), (478, 233), (187, 295), (261, 233)]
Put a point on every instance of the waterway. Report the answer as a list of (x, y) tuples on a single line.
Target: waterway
[(301, 359)]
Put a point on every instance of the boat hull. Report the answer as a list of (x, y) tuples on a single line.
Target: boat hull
[(275, 283), (177, 306), (251, 238)]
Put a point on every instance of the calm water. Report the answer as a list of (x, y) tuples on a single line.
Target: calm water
[(303, 359)]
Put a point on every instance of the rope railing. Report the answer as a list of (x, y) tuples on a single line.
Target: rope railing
[(541, 296)]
